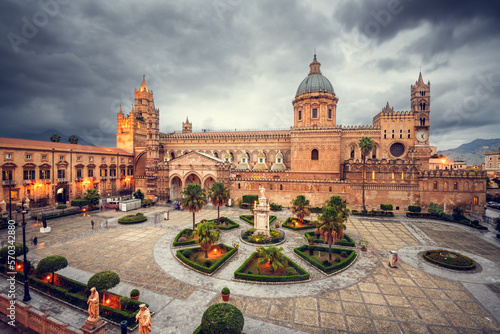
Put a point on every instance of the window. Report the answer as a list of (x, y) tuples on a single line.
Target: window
[(61, 173), (455, 186), (29, 175), (130, 160), (112, 172), (281, 187), (104, 172), (374, 152), (393, 175), (279, 160), (397, 149), (103, 159), (130, 172), (314, 154), (8, 156), (402, 175), (270, 187), (315, 113), (239, 186), (61, 158), (112, 159), (373, 175), (121, 160), (44, 174), (122, 171), (329, 113), (435, 185), (6, 175), (476, 200), (44, 157), (352, 152), (91, 159), (330, 189), (91, 173), (28, 156), (78, 173), (78, 158), (300, 115)]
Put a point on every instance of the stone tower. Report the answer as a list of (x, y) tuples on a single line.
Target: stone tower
[(420, 106), (187, 127)]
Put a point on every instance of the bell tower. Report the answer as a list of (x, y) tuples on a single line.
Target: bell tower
[(420, 106)]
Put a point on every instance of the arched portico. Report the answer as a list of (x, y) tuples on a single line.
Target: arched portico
[(192, 178), (208, 182), (175, 187)]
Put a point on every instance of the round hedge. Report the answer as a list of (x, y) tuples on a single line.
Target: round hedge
[(222, 318), (19, 250), (104, 280), (132, 219), (456, 262)]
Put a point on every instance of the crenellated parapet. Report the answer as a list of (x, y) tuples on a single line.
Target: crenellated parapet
[(227, 135), (462, 174)]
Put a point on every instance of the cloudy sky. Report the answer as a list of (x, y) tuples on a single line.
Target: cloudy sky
[(68, 65)]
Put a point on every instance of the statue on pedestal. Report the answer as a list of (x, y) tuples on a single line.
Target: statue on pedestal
[(262, 192), (93, 302), (144, 318)]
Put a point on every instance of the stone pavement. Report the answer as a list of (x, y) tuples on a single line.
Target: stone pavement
[(367, 298)]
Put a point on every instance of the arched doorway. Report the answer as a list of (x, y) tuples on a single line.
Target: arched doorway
[(175, 188), (209, 182), (61, 195), (192, 178)]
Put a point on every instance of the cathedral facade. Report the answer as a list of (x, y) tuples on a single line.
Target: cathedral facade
[(316, 157)]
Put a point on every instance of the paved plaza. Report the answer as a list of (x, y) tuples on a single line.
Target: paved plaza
[(369, 297)]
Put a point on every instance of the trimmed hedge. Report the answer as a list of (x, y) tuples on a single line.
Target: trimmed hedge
[(307, 227), (330, 269), (232, 224), (311, 236), (302, 275), (183, 243), (373, 213), (250, 199), (63, 214), (133, 219), (4, 223), (249, 219), (414, 208), (461, 262), (275, 207), (474, 224), (222, 318), (201, 268), (386, 207), (80, 203), (61, 206)]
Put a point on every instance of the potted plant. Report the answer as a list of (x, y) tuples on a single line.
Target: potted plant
[(134, 294), (236, 245), (363, 243), (225, 294)]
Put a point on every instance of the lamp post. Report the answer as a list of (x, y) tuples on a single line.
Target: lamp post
[(10, 196), (25, 209)]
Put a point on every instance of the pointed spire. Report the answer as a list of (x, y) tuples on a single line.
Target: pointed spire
[(420, 80), (120, 112), (387, 105), (144, 87), (187, 119)]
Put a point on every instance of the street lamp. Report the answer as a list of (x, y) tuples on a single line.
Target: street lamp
[(25, 208)]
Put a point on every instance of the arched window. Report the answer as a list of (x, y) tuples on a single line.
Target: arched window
[(314, 154), (281, 187), (435, 185), (455, 186), (352, 152), (329, 113), (315, 113), (239, 186), (172, 155), (374, 152), (300, 115), (216, 154)]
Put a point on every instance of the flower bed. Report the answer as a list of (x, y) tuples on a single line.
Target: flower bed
[(347, 241), (225, 252), (132, 219), (303, 252), (292, 223), (249, 219), (227, 224), (274, 238), (243, 272), (372, 213), (467, 222), (450, 260)]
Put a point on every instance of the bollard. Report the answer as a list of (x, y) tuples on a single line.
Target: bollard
[(123, 326)]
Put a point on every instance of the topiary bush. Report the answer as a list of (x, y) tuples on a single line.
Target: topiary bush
[(132, 219), (386, 207), (222, 318), (134, 293), (187, 253), (79, 203), (61, 206), (16, 251), (250, 199), (414, 208), (104, 280), (51, 264)]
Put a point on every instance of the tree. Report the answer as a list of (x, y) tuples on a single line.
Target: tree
[(218, 195), (206, 237), (435, 209), (51, 264), (193, 199), (332, 224), (138, 194), (92, 196), (300, 207), (55, 138), (366, 145), (272, 254), (73, 139), (104, 280), (18, 251)]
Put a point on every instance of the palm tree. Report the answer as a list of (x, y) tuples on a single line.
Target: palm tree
[(332, 225), (73, 139), (366, 145), (277, 260), (206, 237), (193, 199), (218, 195), (55, 138), (300, 207)]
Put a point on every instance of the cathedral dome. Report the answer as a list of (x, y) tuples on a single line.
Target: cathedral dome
[(315, 81)]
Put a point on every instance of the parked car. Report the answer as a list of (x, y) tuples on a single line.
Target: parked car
[(494, 205)]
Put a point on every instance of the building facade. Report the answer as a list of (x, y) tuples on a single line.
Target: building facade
[(317, 157), (48, 173), (492, 163)]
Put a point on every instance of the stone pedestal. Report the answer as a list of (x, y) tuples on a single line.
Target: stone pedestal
[(94, 327), (261, 217), (45, 230)]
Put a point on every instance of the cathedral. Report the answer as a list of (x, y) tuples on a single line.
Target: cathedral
[(316, 157)]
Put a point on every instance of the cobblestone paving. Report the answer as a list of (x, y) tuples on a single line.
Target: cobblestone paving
[(387, 300)]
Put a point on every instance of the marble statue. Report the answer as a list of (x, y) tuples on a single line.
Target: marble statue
[(262, 192), (144, 318), (93, 302)]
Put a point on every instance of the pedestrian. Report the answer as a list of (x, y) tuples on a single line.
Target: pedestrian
[(35, 241), (106, 223), (92, 222)]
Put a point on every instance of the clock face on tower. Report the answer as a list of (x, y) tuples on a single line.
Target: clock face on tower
[(422, 136)]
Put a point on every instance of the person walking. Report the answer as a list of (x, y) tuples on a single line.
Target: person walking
[(92, 223), (35, 241)]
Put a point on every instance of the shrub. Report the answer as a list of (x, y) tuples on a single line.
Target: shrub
[(250, 199), (187, 253), (134, 293), (138, 194), (414, 208), (207, 263), (386, 207), (343, 254), (222, 318), (225, 291), (79, 203), (132, 219), (182, 239), (61, 206), (326, 263), (275, 207), (435, 209), (458, 214), (290, 271), (18, 251), (459, 262), (104, 280), (51, 264), (124, 301)]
